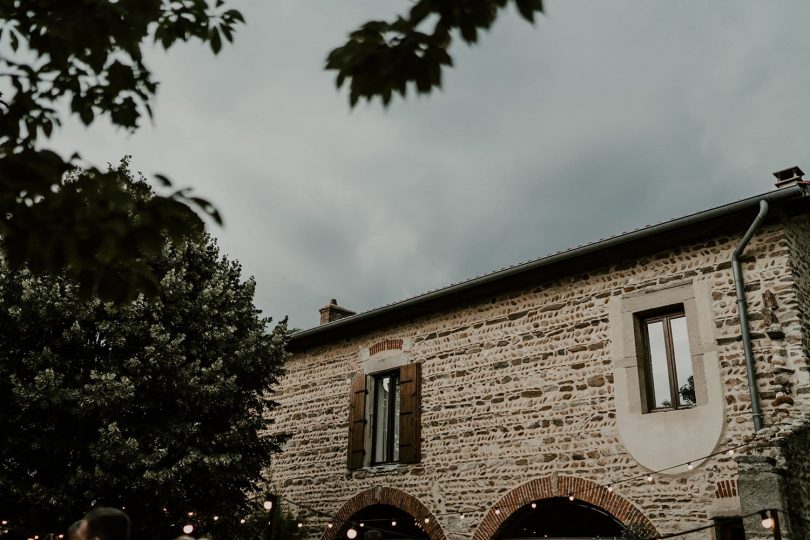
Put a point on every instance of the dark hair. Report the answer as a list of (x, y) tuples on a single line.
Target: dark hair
[(107, 524), (73, 528)]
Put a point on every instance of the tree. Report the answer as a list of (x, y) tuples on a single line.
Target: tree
[(88, 53), (155, 404), (385, 57)]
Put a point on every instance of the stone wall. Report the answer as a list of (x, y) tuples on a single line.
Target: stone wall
[(795, 452), (519, 387), (798, 238)]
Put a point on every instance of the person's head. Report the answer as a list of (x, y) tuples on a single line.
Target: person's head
[(107, 524), (77, 531)]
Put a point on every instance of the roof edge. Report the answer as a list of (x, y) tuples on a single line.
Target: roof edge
[(344, 325)]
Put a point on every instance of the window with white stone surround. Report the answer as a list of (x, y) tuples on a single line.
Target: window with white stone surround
[(668, 391)]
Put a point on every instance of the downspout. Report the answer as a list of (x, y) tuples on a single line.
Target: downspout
[(742, 310)]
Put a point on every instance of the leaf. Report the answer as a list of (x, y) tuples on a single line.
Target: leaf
[(164, 180), (86, 116), (215, 40)]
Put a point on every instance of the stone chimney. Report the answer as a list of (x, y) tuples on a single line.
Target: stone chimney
[(332, 312), (788, 177)]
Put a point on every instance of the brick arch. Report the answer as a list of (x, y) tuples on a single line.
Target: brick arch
[(391, 497), (559, 486)]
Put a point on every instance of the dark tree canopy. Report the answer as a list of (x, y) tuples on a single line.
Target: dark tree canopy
[(158, 403), (89, 54), (386, 57)]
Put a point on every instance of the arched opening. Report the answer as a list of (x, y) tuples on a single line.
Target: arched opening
[(559, 518), (383, 521)]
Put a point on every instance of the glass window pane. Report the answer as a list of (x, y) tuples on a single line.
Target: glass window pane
[(683, 361), (658, 365), (395, 427), (381, 431)]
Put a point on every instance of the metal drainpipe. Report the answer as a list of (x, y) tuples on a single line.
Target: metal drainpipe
[(742, 310)]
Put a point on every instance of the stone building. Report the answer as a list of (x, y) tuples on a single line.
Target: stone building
[(574, 396)]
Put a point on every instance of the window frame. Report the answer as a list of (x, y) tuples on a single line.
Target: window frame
[(665, 315), (728, 528), (362, 405), (393, 417)]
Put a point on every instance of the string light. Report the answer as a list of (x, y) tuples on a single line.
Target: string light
[(242, 521), (362, 524), (534, 505), (610, 489), (571, 497), (461, 516), (649, 478), (497, 511), (300, 524), (767, 521), (190, 514), (690, 466), (268, 505), (188, 529), (216, 518), (329, 525), (427, 520), (730, 451), (351, 533), (394, 523)]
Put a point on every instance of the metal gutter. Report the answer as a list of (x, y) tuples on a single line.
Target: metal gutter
[(345, 325), (742, 312)]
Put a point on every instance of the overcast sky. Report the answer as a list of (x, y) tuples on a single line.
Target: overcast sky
[(603, 117)]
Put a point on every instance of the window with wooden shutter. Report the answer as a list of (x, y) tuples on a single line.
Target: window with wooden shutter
[(409, 413), (357, 422)]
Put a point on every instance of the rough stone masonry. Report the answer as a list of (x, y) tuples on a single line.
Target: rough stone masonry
[(518, 399)]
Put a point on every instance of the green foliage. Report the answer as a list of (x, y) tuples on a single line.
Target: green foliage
[(87, 53), (157, 403), (385, 57)]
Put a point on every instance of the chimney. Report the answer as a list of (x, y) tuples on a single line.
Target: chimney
[(332, 312), (788, 177)]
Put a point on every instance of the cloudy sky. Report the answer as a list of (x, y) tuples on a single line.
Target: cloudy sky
[(603, 117)]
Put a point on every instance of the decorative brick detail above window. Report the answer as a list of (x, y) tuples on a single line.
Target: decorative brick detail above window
[(385, 345), (725, 489)]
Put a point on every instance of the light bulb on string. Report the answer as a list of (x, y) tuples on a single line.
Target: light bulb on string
[(497, 511), (190, 514), (394, 523), (690, 466), (730, 452), (649, 478), (534, 505), (351, 533), (300, 524), (328, 525), (767, 521), (268, 505), (216, 518), (362, 524), (571, 497), (461, 516), (427, 520), (610, 489), (188, 529), (242, 521)]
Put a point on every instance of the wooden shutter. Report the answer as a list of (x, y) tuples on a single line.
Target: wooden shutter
[(357, 421), (410, 387)]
